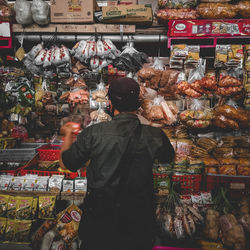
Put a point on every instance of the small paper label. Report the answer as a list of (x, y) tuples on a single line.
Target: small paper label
[(5, 29), (237, 185)]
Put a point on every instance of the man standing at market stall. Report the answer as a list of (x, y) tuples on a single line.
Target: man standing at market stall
[(118, 211)]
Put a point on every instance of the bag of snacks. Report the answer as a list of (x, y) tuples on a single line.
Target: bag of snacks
[(3, 204), (3, 222), (177, 4), (10, 231), (68, 223), (164, 15), (22, 230), (34, 208), (11, 210), (23, 208), (244, 8), (227, 170), (217, 10), (46, 207)]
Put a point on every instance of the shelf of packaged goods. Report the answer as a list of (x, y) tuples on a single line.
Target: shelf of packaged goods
[(59, 195)]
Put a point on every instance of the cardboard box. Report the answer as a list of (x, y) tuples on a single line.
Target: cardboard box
[(71, 11), (136, 13)]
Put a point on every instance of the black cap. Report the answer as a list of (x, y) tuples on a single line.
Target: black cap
[(124, 94)]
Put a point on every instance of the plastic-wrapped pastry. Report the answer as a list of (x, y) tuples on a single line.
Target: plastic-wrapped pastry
[(167, 14), (217, 10), (210, 162), (177, 4), (223, 152), (222, 122), (207, 143), (227, 170), (211, 170), (244, 8), (243, 170)]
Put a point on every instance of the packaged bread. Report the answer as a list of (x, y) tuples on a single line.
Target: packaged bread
[(223, 152), (223, 122), (243, 170), (242, 152), (211, 170), (228, 142), (198, 152), (177, 4), (210, 162), (244, 162), (244, 8), (207, 143), (227, 161), (227, 170), (167, 14), (216, 10)]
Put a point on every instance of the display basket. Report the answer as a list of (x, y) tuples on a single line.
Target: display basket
[(238, 186), (190, 183), (172, 248), (23, 152), (26, 170), (49, 152)]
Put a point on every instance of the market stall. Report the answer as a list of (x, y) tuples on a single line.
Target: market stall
[(195, 83)]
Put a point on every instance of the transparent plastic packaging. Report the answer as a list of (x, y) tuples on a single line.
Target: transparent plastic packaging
[(23, 12), (40, 12), (217, 10)]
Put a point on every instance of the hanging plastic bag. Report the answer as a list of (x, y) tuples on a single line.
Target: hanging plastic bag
[(98, 116), (198, 73), (40, 12), (23, 12), (197, 116), (158, 64)]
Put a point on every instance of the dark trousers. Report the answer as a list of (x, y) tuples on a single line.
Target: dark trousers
[(126, 229)]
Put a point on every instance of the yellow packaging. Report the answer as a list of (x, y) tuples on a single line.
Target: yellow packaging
[(11, 210), (3, 204), (10, 231), (23, 208), (2, 228), (46, 207), (68, 223), (207, 245), (22, 230)]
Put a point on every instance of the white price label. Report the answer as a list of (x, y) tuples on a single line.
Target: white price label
[(237, 185), (5, 29)]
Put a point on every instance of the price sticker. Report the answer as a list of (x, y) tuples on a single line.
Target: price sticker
[(5, 29)]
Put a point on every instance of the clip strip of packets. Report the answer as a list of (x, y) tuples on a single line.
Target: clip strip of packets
[(17, 214)]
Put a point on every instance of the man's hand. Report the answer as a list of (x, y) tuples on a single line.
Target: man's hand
[(70, 128)]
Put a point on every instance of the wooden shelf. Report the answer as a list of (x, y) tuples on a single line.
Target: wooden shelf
[(76, 28)]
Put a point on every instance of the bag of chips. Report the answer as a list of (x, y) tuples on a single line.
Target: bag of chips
[(46, 207), (22, 230), (23, 208), (11, 210), (3, 204), (68, 223)]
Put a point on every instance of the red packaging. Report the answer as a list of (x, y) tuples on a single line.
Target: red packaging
[(207, 28)]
